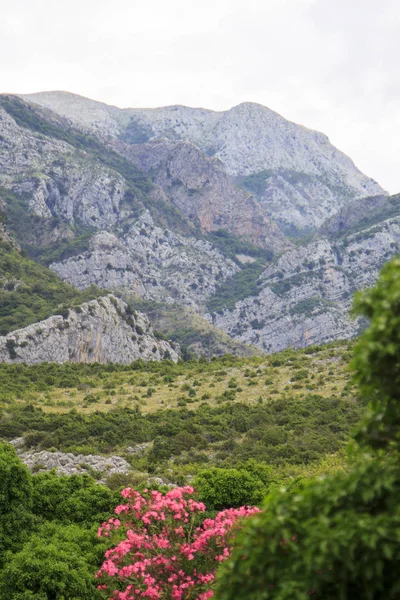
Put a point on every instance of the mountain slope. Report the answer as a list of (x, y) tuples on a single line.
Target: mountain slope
[(101, 163), (66, 198), (30, 292), (301, 178), (305, 296)]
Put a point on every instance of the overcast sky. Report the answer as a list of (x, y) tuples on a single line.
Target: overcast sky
[(332, 65)]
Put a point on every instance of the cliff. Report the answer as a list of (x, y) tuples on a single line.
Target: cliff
[(100, 331)]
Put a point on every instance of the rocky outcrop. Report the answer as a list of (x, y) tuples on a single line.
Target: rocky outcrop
[(102, 330), (306, 294), (99, 467), (75, 464), (151, 262)]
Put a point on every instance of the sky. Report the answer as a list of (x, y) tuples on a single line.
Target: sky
[(332, 65)]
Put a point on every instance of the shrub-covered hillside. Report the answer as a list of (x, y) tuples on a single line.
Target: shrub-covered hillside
[(292, 408)]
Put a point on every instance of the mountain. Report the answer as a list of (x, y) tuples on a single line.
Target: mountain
[(299, 178), (186, 212)]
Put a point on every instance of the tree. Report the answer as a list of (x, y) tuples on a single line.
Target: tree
[(15, 500), (165, 550), (71, 498), (227, 488), (339, 538), (57, 563)]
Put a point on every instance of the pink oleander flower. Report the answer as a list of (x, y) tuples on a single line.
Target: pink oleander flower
[(167, 553)]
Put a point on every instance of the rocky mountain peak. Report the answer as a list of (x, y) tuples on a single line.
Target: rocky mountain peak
[(297, 175)]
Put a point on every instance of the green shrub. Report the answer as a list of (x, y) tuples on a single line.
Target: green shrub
[(227, 488)]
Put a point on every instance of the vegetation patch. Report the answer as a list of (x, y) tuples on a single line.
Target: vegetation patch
[(241, 285), (231, 245), (29, 292)]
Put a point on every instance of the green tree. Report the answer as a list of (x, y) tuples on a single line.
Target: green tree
[(57, 563), (229, 488), (72, 499), (15, 500), (338, 538)]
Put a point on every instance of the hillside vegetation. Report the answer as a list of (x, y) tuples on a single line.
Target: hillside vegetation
[(30, 292), (292, 408), (195, 335)]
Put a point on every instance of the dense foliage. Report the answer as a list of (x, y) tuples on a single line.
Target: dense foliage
[(48, 544), (241, 285), (285, 430), (231, 246), (15, 500), (338, 538)]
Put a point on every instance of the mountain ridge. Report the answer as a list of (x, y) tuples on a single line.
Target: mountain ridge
[(163, 219), (249, 139)]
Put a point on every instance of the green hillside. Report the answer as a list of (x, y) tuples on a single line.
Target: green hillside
[(288, 409), (30, 292), (195, 335)]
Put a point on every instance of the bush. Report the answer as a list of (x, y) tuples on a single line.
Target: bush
[(227, 488), (57, 562), (163, 550), (15, 500)]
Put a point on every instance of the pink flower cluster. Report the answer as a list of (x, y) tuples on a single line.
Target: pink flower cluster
[(163, 550)]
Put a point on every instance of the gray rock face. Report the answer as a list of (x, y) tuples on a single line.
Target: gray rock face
[(306, 178), (154, 263), (74, 464), (58, 180), (199, 187), (307, 293), (98, 331)]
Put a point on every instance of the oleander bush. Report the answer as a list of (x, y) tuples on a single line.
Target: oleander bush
[(164, 548)]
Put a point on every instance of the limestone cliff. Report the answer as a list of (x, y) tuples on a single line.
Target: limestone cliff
[(199, 187), (102, 331)]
